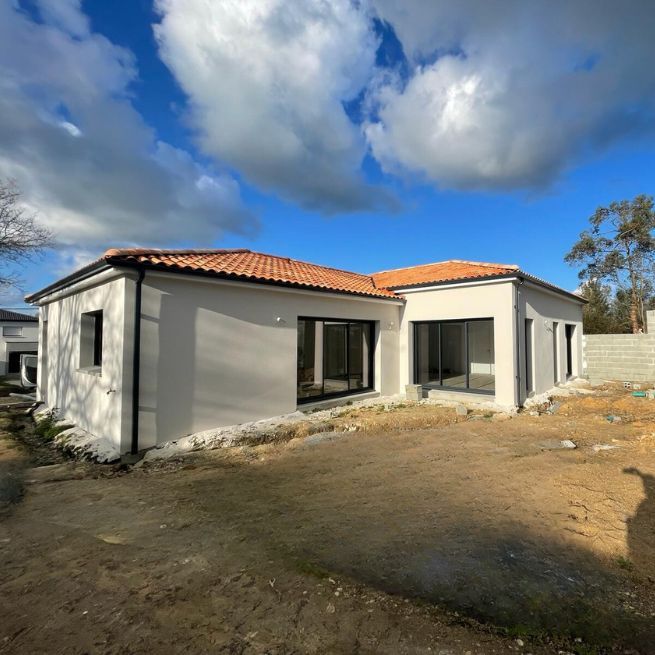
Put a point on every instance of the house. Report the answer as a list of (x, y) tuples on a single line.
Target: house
[(145, 346), (19, 334)]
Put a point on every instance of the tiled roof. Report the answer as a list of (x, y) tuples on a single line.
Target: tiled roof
[(453, 269), (248, 266), (251, 266), (8, 315)]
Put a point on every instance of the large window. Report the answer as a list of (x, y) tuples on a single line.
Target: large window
[(12, 331), (335, 357), (455, 355)]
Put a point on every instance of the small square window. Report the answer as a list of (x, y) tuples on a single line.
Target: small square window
[(12, 331), (91, 340)]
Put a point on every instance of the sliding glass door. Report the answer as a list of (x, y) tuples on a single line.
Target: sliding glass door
[(455, 355), (335, 357)]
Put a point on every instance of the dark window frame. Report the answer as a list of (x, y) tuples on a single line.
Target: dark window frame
[(98, 328), (371, 358), (97, 338), (465, 321), (569, 333)]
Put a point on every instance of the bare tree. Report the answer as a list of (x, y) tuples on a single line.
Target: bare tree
[(21, 237)]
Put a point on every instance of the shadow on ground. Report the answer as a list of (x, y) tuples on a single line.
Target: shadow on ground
[(452, 542)]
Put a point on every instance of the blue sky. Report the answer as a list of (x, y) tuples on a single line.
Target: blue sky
[(356, 135)]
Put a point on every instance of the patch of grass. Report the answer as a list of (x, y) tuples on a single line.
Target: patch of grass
[(625, 563), (310, 568), (521, 630), (47, 428), (586, 649)]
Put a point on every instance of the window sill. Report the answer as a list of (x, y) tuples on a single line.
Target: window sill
[(95, 371)]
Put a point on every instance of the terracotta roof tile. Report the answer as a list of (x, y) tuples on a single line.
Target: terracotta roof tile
[(454, 269), (248, 266), (241, 264)]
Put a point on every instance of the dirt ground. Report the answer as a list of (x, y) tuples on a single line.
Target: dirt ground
[(402, 531)]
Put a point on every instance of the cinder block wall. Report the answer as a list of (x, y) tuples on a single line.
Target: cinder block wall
[(622, 357)]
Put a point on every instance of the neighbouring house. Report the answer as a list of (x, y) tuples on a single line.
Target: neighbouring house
[(146, 346), (19, 335)]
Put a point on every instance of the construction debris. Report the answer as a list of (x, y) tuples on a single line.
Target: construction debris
[(554, 407), (461, 410), (602, 446), (554, 444)]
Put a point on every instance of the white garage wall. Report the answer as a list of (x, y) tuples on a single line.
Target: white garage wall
[(218, 353)]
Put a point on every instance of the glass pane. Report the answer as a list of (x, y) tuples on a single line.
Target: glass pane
[(427, 348), (310, 358), (482, 369), (359, 362), (453, 355), (336, 367)]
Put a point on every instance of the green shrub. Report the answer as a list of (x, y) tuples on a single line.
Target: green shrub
[(46, 426), (624, 563)]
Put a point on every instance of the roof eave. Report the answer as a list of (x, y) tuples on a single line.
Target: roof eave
[(503, 276), (88, 271), (546, 285), (458, 280), (111, 261), (163, 268)]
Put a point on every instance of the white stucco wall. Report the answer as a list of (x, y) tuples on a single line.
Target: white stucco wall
[(28, 341), (93, 401), (484, 300), (214, 352), (550, 312)]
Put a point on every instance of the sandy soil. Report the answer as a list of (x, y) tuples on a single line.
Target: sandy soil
[(412, 532)]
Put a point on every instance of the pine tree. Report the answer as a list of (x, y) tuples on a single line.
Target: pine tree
[(619, 248)]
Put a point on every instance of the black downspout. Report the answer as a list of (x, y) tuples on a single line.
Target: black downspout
[(136, 363), (518, 341)]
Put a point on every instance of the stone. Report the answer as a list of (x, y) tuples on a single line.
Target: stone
[(461, 410), (554, 444), (554, 408), (414, 392), (602, 446)]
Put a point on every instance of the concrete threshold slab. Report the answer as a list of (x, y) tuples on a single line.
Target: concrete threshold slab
[(338, 402), (463, 397)]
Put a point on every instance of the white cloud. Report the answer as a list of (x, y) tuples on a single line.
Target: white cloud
[(494, 95), (267, 80), (83, 156), (507, 95), (65, 14)]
